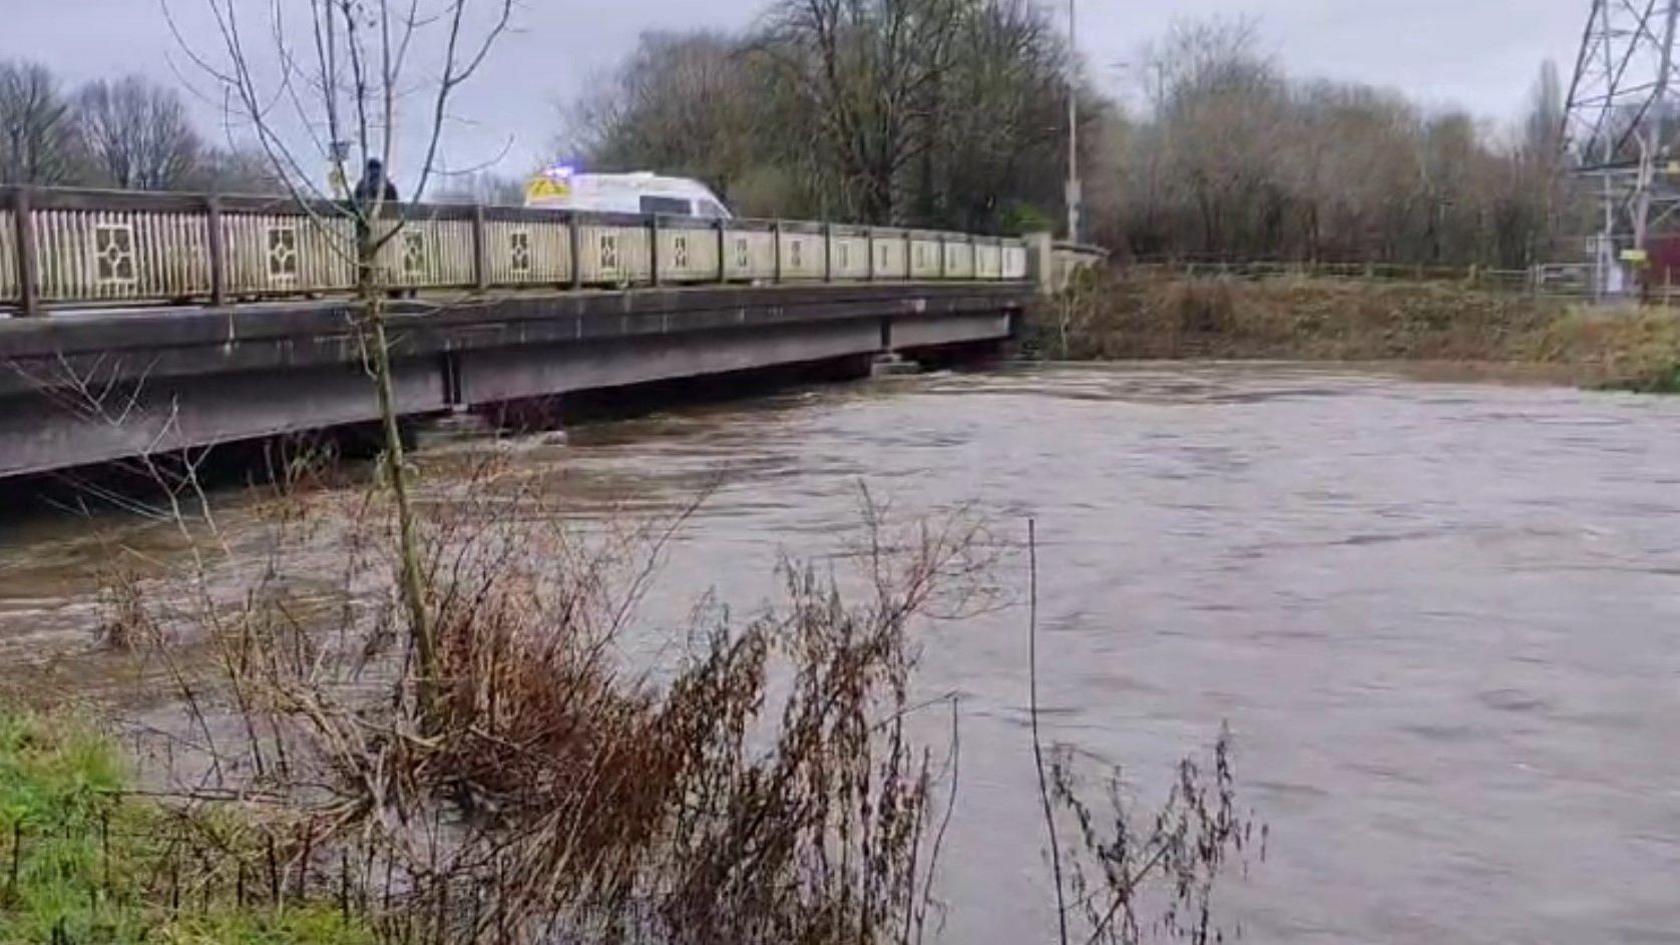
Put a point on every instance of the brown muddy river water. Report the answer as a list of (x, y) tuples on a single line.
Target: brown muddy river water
[(1442, 619)]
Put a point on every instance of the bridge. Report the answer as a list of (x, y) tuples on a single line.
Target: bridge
[(138, 323)]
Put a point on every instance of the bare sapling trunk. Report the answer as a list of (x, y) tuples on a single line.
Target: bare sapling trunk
[(412, 580), (366, 64)]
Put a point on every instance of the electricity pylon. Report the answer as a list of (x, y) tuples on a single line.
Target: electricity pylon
[(1620, 124)]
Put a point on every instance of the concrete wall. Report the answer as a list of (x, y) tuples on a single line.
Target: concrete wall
[(1053, 263)]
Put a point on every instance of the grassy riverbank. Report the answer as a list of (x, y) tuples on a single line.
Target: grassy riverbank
[(82, 860), (1167, 316)]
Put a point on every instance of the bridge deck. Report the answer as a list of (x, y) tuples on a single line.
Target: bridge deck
[(93, 385)]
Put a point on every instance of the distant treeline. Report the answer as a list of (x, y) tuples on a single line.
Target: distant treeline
[(953, 113), (131, 133), (127, 133), (1232, 157)]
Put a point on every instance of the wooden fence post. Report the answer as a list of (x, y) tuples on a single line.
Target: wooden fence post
[(218, 249), (828, 251), (481, 250), (722, 266), (776, 241), (653, 248), (574, 240), (29, 273), (869, 241)]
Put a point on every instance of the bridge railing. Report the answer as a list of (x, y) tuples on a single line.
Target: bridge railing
[(62, 248)]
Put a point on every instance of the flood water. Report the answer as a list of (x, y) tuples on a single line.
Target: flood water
[(1442, 619)]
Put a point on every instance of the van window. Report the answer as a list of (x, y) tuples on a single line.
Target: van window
[(710, 210), (669, 206)]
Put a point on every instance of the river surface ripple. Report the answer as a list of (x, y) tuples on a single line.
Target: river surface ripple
[(1442, 619)]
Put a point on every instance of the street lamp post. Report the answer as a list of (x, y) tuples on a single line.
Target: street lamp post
[(1075, 200)]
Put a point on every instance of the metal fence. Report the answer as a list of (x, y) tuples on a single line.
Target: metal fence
[(73, 248), (1561, 280)]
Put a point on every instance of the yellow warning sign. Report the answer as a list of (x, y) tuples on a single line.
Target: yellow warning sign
[(547, 187)]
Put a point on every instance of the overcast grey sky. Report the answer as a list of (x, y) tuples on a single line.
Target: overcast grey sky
[(1481, 54)]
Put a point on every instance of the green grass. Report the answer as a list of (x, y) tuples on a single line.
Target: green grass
[(82, 863)]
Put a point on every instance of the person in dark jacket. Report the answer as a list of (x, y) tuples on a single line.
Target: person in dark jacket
[(374, 185)]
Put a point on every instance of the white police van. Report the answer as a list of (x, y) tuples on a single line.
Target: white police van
[(560, 188)]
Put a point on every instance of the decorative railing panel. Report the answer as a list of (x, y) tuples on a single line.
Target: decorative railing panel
[(420, 254), (802, 256), (751, 254), (613, 255), (849, 257), (286, 254), (688, 255), (104, 256), (1015, 267), (522, 253), (892, 255), (66, 248), (959, 260), (924, 257)]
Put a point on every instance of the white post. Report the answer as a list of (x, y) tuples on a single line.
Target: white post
[(1074, 197)]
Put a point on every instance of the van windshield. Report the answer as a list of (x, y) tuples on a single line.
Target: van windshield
[(710, 210), (668, 206)]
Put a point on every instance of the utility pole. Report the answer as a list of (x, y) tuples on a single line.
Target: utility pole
[(1075, 200)]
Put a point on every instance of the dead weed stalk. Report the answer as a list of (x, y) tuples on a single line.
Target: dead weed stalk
[(762, 789)]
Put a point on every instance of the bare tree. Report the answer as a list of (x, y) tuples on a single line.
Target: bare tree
[(1536, 209), (922, 112), (690, 103), (319, 83), (34, 126), (136, 135), (1240, 160), (996, 135), (868, 72)]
